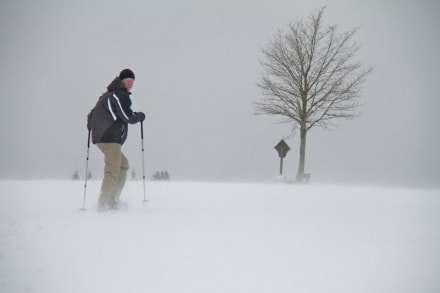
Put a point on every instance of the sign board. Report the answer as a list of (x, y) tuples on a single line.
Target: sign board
[(282, 148)]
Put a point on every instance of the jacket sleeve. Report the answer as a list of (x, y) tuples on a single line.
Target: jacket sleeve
[(121, 106)]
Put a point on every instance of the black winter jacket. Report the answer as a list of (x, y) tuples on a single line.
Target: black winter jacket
[(109, 119)]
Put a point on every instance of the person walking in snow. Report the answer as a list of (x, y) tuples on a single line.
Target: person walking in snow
[(108, 121)]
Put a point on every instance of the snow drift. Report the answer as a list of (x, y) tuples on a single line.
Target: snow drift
[(219, 237)]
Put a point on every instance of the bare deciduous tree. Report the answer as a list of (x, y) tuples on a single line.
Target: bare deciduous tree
[(310, 77)]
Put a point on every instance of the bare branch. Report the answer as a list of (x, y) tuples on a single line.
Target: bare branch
[(310, 76)]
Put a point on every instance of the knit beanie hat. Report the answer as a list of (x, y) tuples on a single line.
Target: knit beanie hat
[(126, 73)]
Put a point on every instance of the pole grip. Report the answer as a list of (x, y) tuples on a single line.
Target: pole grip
[(142, 129), (88, 139)]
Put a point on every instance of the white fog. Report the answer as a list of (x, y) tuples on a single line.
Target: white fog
[(196, 66)]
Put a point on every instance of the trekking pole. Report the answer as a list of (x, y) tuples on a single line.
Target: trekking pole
[(143, 162), (87, 172)]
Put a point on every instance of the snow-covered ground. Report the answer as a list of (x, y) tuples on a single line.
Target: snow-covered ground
[(219, 237)]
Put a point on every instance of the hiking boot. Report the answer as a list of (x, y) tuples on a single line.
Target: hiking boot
[(118, 205)]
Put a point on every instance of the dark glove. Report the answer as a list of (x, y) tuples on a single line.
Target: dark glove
[(89, 120), (141, 116)]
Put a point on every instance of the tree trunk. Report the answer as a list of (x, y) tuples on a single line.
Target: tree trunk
[(302, 153)]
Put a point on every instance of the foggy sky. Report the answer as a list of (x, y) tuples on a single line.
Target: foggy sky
[(196, 66)]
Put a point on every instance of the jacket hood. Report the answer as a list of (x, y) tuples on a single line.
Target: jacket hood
[(116, 84)]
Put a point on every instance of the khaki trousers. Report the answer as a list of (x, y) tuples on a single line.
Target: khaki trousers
[(115, 174)]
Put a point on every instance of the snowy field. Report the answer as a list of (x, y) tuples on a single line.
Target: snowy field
[(219, 237)]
